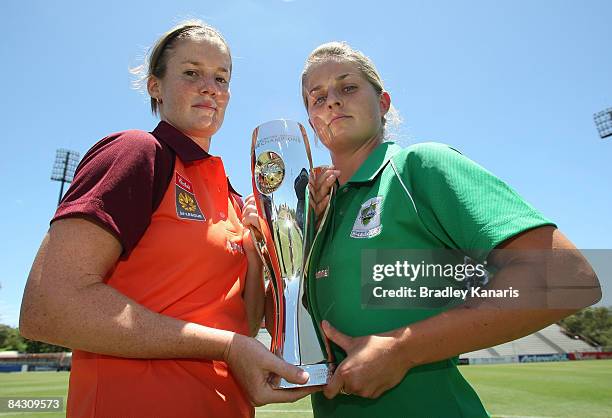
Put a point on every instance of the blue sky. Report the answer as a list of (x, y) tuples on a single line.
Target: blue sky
[(512, 84)]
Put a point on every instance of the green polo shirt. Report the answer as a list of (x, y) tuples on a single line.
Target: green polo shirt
[(426, 196)]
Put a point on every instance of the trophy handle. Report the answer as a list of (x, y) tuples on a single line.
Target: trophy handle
[(260, 245), (307, 145)]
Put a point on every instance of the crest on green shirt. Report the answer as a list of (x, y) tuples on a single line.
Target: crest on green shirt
[(368, 213), (367, 224)]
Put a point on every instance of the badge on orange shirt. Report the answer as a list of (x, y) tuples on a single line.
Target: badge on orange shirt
[(186, 203)]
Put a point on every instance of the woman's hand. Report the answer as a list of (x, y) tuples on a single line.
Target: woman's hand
[(373, 364), (255, 367), (320, 184)]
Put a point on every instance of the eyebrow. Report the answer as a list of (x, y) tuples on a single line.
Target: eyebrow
[(339, 78), (197, 64)]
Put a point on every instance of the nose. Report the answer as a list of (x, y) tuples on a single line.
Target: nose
[(208, 85), (333, 99)]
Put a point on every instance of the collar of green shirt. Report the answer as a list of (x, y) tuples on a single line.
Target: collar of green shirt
[(375, 162)]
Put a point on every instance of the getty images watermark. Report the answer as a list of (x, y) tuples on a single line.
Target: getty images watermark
[(475, 275), (441, 278)]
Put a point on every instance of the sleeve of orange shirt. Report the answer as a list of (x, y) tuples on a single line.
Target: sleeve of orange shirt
[(119, 184)]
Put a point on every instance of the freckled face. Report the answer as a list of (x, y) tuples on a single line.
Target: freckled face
[(344, 100), (194, 91)]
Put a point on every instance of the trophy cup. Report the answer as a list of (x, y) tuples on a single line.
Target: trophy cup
[(280, 164)]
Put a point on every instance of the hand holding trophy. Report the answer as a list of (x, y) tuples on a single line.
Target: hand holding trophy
[(280, 164)]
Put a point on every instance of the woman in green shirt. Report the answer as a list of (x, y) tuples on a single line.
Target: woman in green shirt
[(402, 362)]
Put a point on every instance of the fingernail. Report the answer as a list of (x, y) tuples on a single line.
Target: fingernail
[(304, 375)]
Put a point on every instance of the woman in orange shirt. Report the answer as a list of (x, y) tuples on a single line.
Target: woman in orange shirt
[(147, 272)]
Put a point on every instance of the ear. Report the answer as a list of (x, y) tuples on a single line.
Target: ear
[(385, 103), (154, 87)]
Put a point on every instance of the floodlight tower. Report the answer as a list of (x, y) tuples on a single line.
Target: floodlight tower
[(66, 162), (603, 122)]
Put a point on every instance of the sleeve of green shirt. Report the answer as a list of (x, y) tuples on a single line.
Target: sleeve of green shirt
[(461, 203)]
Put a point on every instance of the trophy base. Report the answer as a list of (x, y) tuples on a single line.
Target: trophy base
[(319, 375)]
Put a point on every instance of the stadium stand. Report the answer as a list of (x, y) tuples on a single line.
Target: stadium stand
[(12, 361), (550, 340), (554, 333)]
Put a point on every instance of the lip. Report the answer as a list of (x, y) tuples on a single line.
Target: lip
[(205, 106), (337, 117)]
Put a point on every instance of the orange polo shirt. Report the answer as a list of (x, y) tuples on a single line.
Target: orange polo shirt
[(188, 264)]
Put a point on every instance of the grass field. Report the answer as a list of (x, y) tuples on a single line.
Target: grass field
[(576, 389)]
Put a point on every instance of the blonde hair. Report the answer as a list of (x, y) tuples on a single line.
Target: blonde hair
[(343, 51), (157, 56)]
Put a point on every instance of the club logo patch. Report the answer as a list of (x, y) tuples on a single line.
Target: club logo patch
[(186, 203), (367, 224)]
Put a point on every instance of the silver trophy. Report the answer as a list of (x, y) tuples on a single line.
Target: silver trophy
[(280, 164)]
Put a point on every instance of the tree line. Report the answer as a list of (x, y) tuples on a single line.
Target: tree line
[(11, 340), (594, 323)]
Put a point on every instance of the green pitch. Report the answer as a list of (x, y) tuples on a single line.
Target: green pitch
[(564, 389)]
